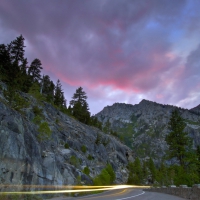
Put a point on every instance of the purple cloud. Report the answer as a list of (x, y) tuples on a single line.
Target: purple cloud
[(118, 51)]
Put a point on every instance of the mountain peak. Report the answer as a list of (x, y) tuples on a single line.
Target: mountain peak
[(144, 101)]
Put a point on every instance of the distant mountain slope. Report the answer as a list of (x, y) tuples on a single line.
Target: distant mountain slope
[(196, 109), (145, 125)]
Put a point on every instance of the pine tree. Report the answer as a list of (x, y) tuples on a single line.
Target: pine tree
[(47, 88), (79, 96), (152, 169), (135, 172), (5, 62), (79, 106), (16, 48), (178, 140), (198, 161), (35, 70), (11, 60), (59, 99)]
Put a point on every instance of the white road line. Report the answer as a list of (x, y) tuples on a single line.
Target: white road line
[(132, 196)]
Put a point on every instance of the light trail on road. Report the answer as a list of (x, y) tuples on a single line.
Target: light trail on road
[(71, 189)]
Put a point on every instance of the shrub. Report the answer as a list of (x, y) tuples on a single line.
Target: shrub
[(86, 171), (15, 100), (106, 177), (103, 178), (66, 146), (90, 157), (74, 161), (37, 120), (98, 139), (83, 149), (37, 110), (45, 131), (35, 91), (111, 172), (106, 141), (57, 120)]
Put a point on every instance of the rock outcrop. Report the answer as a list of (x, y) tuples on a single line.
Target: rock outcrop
[(26, 159)]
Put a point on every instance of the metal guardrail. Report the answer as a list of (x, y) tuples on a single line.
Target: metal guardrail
[(192, 193)]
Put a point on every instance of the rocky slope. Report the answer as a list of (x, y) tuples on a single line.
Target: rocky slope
[(59, 159), (144, 125)]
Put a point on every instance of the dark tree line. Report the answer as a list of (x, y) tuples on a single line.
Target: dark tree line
[(19, 76)]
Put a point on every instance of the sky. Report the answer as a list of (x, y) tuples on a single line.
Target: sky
[(116, 50)]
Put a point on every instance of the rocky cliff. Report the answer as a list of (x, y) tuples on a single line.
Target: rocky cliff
[(59, 157), (144, 125)]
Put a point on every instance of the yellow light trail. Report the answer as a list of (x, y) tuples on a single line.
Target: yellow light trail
[(72, 189)]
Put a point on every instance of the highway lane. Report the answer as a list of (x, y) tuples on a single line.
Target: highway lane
[(125, 194)]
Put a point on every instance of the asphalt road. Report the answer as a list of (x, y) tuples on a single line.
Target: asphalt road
[(123, 194)]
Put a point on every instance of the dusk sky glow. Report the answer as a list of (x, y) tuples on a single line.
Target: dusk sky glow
[(117, 50)]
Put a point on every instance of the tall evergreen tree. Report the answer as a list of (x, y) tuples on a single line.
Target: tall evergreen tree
[(152, 169), (5, 63), (16, 48), (79, 96), (178, 140), (11, 57), (59, 99), (198, 161), (79, 106), (35, 70), (48, 88)]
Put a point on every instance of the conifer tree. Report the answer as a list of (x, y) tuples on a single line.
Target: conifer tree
[(152, 169), (59, 99), (178, 140), (5, 63), (11, 57), (35, 70), (48, 88), (198, 161), (16, 48), (79, 96), (79, 106)]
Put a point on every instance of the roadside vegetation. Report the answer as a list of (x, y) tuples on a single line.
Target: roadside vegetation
[(183, 166)]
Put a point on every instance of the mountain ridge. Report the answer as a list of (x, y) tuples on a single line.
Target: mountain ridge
[(146, 125)]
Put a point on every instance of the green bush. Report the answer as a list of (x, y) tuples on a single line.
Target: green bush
[(106, 141), (98, 139), (90, 157), (106, 177), (74, 161), (37, 110), (35, 92), (16, 101), (83, 149), (111, 172), (103, 178), (57, 120), (86, 171), (66, 146), (45, 131), (37, 120)]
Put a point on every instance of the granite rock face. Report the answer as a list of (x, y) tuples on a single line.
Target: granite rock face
[(58, 160), (145, 125)]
